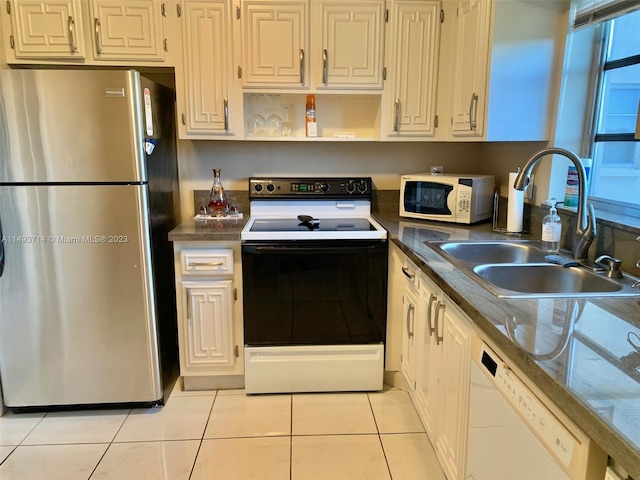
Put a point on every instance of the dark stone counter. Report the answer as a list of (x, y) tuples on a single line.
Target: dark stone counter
[(576, 351)]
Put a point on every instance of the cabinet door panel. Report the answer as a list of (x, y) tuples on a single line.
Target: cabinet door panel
[(275, 43), (452, 429), (351, 46), (470, 69), (47, 29), (127, 30), (207, 69), (209, 329), (409, 316), (414, 58), (428, 365)]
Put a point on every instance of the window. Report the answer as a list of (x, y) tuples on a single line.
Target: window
[(615, 177)]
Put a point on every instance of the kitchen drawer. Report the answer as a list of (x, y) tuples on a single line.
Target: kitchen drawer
[(207, 262)]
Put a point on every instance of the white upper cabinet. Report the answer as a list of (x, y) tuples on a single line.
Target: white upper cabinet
[(470, 69), (206, 106), (91, 32), (311, 45), (45, 29), (348, 44), (127, 29), (412, 66), (275, 43), (499, 75)]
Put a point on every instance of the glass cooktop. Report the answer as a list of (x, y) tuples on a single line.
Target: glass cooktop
[(321, 225)]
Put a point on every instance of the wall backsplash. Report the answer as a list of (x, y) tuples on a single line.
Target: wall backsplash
[(383, 161), (612, 238)]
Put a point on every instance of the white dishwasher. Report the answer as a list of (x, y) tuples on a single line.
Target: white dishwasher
[(515, 433)]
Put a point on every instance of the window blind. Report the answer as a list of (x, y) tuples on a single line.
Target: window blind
[(588, 12)]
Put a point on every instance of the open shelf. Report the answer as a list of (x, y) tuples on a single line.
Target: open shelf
[(340, 117)]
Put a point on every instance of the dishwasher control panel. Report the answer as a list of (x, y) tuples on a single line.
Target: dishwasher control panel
[(546, 426)]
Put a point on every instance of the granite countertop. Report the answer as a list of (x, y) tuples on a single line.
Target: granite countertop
[(576, 351), (227, 229)]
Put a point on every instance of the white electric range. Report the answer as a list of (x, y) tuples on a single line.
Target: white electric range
[(314, 267)]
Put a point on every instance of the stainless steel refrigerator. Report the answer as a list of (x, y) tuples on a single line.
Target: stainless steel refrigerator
[(88, 194)]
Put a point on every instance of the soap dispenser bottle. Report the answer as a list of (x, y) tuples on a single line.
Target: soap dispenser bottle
[(551, 229)]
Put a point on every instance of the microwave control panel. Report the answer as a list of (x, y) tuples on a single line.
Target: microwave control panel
[(463, 209)]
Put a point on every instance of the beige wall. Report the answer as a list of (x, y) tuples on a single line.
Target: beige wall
[(383, 161)]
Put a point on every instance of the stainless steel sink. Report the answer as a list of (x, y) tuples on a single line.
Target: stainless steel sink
[(517, 269), (493, 252), (547, 280)]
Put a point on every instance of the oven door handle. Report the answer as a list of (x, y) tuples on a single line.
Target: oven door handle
[(299, 249)]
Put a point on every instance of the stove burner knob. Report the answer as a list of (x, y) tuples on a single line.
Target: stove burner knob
[(258, 187), (351, 187), (362, 186), (271, 187)]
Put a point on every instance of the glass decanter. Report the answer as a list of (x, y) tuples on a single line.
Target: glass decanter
[(217, 197)]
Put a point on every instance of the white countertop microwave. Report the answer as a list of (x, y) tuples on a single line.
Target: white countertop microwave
[(457, 198)]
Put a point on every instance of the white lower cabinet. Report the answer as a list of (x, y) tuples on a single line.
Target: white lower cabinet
[(454, 332), (410, 292), (435, 365), (208, 333), (208, 284)]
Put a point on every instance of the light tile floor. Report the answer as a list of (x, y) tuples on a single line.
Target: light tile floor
[(226, 435)]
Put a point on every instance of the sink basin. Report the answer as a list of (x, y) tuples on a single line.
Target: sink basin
[(493, 252), (517, 269), (547, 280)]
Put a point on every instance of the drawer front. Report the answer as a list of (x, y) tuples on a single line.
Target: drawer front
[(411, 274), (207, 262)]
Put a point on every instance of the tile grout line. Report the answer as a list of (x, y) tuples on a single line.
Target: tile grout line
[(291, 441), (386, 460), (15, 447), (206, 424)]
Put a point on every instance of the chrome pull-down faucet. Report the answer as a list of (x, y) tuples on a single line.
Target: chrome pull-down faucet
[(585, 225)]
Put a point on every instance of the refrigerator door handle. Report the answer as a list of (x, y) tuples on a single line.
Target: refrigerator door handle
[(1, 249)]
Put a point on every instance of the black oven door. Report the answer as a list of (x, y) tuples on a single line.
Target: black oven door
[(314, 292)]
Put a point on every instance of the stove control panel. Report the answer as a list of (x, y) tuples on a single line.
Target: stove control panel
[(283, 188)]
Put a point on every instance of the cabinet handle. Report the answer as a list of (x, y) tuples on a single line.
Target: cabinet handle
[(325, 71), (188, 295), (205, 264), (410, 276), (226, 114), (184, 119), (302, 66), (396, 115), (96, 26), (72, 34), (473, 111), (410, 314), (439, 338), (432, 298)]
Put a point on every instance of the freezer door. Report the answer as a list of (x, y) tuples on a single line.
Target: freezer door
[(71, 126), (77, 323)]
